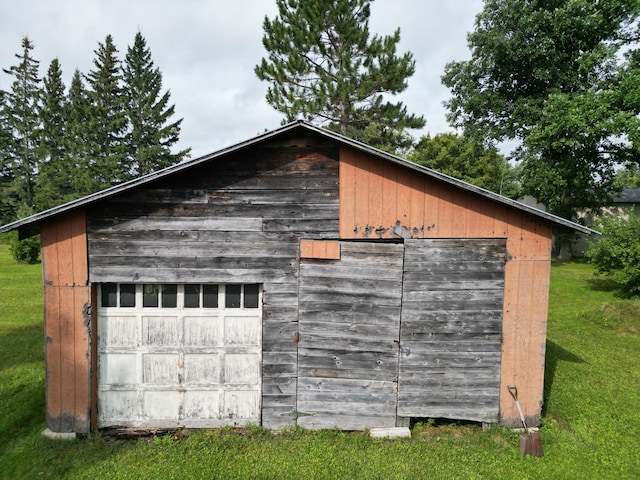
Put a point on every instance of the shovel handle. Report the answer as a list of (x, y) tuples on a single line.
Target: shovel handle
[(513, 390)]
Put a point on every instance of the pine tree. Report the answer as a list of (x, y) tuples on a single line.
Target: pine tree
[(8, 195), (150, 136), (324, 66), (76, 138), (107, 121), (54, 182), (23, 125)]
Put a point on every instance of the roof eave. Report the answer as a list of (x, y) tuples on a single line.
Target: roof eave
[(31, 224)]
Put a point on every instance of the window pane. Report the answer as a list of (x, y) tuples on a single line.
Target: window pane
[(210, 296), (232, 296), (192, 296), (127, 295), (109, 294), (251, 296), (150, 295), (170, 296)]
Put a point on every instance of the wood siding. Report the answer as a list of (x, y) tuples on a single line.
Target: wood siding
[(348, 344), (68, 324), (379, 199), (451, 329), (238, 219)]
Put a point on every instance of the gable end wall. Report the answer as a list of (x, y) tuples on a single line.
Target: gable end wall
[(381, 200)]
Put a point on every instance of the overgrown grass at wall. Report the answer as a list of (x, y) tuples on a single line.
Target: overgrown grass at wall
[(591, 422)]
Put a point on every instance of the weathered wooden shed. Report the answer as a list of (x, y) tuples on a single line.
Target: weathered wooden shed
[(298, 277)]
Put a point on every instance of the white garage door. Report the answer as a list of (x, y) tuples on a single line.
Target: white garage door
[(179, 355)]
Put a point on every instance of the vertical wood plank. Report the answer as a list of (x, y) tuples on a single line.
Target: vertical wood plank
[(49, 245), (403, 198), (53, 383), (417, 198), (375, 218), (361, 199), (389, 196), (444, 226), (431, 209), (79, 248), (82, 356), (347, 193)]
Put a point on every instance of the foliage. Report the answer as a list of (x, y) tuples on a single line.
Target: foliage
[(323, 65), (150, 136), (56, 147), (107, 164), (617, 254), (22, 122), (584, 436), (53, 185), (26, 250), (552, 75), (467, 160), (629, 176)]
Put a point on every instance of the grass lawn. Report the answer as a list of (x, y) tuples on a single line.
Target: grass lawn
[(591, 421)]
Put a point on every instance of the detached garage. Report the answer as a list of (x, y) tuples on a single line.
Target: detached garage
[(301, 278)]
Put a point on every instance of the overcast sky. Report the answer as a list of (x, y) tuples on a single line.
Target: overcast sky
[(207, 49)]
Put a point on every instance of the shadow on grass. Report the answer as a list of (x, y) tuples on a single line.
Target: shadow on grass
[(554, 354), (600, 284), (21, 345)]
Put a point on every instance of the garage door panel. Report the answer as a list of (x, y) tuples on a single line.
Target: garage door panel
[(202, 331), (181, 366), (161, 331), (118, 368), (242, 331), (241, 369), (202, 369), (162, 405), (242, 405), (202, 405), (160, 369), (119, 331), (118, 407)]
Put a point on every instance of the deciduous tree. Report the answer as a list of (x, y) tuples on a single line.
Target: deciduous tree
[(550, 74), (467, 160)]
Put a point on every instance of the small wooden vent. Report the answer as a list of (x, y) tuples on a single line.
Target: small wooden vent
[(320, 249)]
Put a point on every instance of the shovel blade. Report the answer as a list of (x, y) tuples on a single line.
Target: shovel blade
[(531, 444)]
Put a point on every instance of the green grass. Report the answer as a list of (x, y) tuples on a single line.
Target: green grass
[(591, 421)]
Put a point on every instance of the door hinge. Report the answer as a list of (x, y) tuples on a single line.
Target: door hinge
[(295, 414)]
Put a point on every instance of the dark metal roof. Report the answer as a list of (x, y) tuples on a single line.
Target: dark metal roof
[(628, 195), (31, 224)]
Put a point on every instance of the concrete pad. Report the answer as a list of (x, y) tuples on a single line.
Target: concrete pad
[(59, 435), (392, 432)]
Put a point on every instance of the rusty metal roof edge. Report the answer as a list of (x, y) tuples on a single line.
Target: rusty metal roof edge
[(45, 214)]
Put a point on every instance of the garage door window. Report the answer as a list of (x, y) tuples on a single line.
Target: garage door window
[(172, 295)]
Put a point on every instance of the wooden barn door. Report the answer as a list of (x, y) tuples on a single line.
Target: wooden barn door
[(348, 337), (451, 328)]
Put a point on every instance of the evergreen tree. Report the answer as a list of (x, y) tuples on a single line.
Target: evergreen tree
[(22, 125), (8, 194), (76, 139), (54, 182), (107, 121), (150, 136), (323, 65)]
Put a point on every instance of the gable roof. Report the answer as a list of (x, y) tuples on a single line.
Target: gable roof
[(31, 225)]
